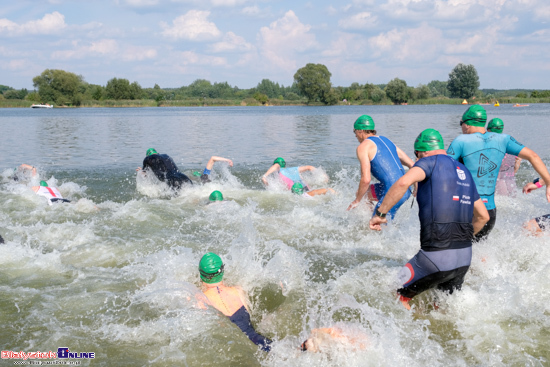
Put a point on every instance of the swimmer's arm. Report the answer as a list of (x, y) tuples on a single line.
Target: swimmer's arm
[(404, 158), (481, 216), (244, 298), (320, 192), (214, 158), (271, 169), (305, 168), (364, 161), (517, 164), (395, 193), (538, 165), (531, 186), (29, 167)]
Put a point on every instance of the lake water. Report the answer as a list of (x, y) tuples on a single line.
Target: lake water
[(116, 272)]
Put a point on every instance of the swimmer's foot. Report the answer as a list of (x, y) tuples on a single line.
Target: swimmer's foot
[(405, 301)]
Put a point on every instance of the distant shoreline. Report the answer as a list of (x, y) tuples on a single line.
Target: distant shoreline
[(8, 103)]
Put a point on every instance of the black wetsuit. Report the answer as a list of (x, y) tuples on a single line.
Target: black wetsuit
[(241, 318), (166, 170), (1, 240)]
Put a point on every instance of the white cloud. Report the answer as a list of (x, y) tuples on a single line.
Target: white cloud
[(193, 58), (231, 43), (105, 48), (251, 10), (192, 26), (283, 39), (50, 24), (422, 44), (360, 21), (228, 2)]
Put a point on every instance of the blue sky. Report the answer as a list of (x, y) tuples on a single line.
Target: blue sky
[(174, 42)]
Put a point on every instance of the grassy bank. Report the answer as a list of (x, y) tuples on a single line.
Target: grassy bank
[(14, 103)]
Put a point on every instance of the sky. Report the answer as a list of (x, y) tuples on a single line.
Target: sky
[(174, 42)]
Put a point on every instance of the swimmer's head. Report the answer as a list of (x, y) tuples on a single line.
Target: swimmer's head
[(429, 139), (297, 188), (495, 126), (280, 161), (474, 116), (196, 174), (216, 196), (151, 151), (211, 268), (364, 122), (303, 347), (43, 183)]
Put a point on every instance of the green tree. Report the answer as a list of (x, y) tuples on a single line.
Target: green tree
[(397, 91), (200, 88), (118, 89), (422, 92), (463, 81), (313, 81), (438, 89), (269, 88), (58, 86), (376, 94), (260, 97), (221, 90)]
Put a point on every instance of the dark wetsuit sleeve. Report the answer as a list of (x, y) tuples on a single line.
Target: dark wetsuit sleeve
[(241, 318), (1, 239), (427, 165)]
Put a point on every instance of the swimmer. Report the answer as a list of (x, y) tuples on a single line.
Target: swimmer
[(506, 181), (51, 193), (289, 175), (324, 338), (450, 213), (482, 153), (299, 189), (215, 197), (381, 158), (164, 169), (538, 225), (205, 177), (1, 240), (231, 301)]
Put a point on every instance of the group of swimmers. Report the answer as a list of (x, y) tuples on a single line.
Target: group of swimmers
[(454, 188)]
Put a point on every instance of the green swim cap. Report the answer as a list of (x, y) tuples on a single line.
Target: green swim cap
[(196, 174), (211, 268), (429, 139), (216, 196), (495, 125), (43, 183), (280, 161), (475, 116), (151, 151), (298, 188), (364, 122)]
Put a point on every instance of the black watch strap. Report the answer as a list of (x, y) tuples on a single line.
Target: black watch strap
[(380, 214)]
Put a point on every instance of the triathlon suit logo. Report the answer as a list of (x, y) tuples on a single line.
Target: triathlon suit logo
[(485, 166), (460, 173)]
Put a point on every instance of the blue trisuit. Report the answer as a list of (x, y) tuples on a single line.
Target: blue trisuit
[(446, 206), (241, 318), (482, 154), (290, 176), (386, 168)]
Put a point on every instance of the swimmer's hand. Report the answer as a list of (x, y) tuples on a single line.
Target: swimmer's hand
[(376, 221), (353, 205), (529, 187), (138, 169)]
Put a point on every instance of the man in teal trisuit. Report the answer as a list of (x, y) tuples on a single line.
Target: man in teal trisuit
[(482, 153)]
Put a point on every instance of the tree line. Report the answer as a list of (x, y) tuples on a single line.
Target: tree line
[(311, 85)]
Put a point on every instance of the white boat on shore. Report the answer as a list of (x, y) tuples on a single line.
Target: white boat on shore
[(42, 106)]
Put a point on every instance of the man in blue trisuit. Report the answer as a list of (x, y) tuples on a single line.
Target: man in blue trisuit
[(378, 157), (450, 213), (482, 153)]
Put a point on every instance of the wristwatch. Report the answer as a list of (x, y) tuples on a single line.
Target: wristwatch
[(381, 215), (537, 183)]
